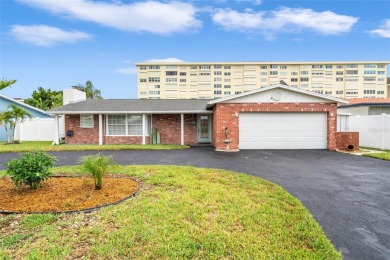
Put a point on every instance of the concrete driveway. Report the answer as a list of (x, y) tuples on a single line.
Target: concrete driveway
[(348, 195)]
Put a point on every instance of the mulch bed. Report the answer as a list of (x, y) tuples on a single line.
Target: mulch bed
[(62, 194)]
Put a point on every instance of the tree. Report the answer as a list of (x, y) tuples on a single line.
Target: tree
[(6, 122), (45, 99), (90, 91), (6, 83), (16, 115)]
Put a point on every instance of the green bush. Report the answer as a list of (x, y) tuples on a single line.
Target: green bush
[(31, 169), (97, 166)]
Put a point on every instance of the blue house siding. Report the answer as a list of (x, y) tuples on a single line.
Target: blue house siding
[(4, 104)]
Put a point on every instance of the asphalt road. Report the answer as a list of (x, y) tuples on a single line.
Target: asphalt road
[(348, 195)]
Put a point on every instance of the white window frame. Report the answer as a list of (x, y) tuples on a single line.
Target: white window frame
[(147, 124), (87, 121)]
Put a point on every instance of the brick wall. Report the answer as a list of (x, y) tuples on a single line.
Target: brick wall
[(169, 127), (81, 135), (227, 115), (344, 139)]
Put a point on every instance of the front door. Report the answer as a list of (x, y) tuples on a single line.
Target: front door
[(204, 126)]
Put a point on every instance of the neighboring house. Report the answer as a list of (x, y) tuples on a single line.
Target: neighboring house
[(275, 117), (366, 106), (212, 80), (36, 113)]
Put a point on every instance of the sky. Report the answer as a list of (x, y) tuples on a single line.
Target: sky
[(57, 44)]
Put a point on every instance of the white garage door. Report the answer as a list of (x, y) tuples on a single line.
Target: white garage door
[(283, 131)]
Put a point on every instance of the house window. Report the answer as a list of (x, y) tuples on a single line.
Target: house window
[(126, 125), (86, 121)]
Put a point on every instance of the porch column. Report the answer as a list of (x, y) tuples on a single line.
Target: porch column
[(143, 128), (100, 129), (56, 129), (182, 129)]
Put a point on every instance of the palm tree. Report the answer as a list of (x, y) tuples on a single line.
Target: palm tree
[(6, 121), (5, 83), (90, 91), (18, 115)]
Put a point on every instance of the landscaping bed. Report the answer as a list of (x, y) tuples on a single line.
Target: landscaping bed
[(63, 193), (182, 212)]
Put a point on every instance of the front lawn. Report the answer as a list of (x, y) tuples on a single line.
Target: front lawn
[(46, 146), (384, 156), (180, 212)]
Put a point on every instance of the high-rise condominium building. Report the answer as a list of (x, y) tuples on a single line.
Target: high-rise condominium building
[(209, 80)]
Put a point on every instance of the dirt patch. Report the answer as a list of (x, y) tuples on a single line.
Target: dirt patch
[(63, 194)]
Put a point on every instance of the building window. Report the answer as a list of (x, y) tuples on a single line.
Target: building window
[(351, 92), (294, 79), (217, 73), (183, 80), (142, 93), (263, 67), (273, 73), (183, 73), (264, 73), (339, 73), (154, 79), (226, 93), (134, 124), (304, 79), (381, 73), (369, 72), (283, 67), (369, 91), (171, 73), (328, 92), (204, 74), (171, 67), (142, 80), (204, 67), (237, 92), (227, 67), (352, 66), (217, 79), (171, 79), (154, 67), (380, 92), (226, 73), (339, 92), (217, 85), (304, 72), (319, 91), (381, 66), (369, 66), (86, 121), (226, 86), (316, 66), (339, 79), (217, 92), (339, 66), (369, 78), (154, 92), (156, 86), (217, 66), (142, 67), (193, 67), (273, 66), (328, 66), (294, 73), (116, 124)]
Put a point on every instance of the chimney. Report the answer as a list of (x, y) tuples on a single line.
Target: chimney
[(73, 95)]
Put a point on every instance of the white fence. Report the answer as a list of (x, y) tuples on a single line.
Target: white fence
[(38, 129), (374, 131)]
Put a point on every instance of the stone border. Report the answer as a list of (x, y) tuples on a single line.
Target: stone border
[(87, 210)]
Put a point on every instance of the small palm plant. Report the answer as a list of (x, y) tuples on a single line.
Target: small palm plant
[(97, 166)]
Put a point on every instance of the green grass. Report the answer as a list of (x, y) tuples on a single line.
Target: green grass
[(383, 156), (46, 146), (180, 212)]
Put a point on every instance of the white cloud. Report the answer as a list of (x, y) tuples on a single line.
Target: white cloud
[(165, 60), (270, 23), (383, 31), (129, 70), (43, 35), (150, 16)]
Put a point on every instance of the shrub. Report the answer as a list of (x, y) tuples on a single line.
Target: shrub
[(31, 168), (97, 166)]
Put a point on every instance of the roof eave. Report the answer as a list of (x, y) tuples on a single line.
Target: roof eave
[(131, 112)]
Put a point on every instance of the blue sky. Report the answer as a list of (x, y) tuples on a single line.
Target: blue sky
[(61, 43)]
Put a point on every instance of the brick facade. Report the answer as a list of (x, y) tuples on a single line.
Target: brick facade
[(167, 125), (227, 115), (345, 141)]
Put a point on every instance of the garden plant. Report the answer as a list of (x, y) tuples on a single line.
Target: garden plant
[(97, 166)]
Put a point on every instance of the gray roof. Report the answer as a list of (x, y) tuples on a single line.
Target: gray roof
[(95, 106)]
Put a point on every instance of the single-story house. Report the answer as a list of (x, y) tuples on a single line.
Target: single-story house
[(36, 113), (275, 117), (366, 107)]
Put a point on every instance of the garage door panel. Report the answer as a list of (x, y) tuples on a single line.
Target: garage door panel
[(283, 131)]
